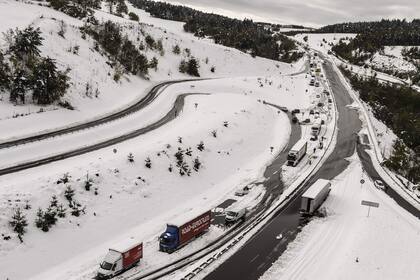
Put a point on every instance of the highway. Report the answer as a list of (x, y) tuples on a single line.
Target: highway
[(257, 255)]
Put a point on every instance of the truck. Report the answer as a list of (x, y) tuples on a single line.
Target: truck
[(297, 152), (179, 233), (315, 196), (120, 258), (235, 214), (316, 128)]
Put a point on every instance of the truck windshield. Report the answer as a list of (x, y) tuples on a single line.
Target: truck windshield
[(231, 213), (291, 157), (106, 265), (166, 239)]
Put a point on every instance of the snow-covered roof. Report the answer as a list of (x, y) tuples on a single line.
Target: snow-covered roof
[(299, 145), (316, 188), (125, 245), (183, 219)]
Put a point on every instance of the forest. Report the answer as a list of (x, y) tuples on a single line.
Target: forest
[(398, 107), (244, 35)]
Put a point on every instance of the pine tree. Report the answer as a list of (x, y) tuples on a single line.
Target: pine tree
[(54, 202), (148, 163), (176, 50), (4, 73), (49, 84), (69, 193), (18, 87), (61, 211), (18, 222), (26, 42), (200, 146), (197, 164), (40, 221), (192, 67), (130, 157)]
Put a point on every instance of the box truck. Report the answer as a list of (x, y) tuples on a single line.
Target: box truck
[(316, 127), (179, 233), (235, 214), (120, 258), (315, 196), (297, 152)]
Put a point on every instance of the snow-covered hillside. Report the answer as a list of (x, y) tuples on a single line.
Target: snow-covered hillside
[(225, 132), (89, 68)]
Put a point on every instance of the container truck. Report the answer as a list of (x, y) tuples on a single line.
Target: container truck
[(179, 233), (297, 152), (235, 214), (120, 258), (316, 128), (315, 196)]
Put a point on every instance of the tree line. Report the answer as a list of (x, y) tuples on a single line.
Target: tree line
[(398, 107), (24, 72), (373, 36), (244, 35)]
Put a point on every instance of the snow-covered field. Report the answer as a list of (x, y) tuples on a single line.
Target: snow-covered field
[(349, 245), (90, 67)]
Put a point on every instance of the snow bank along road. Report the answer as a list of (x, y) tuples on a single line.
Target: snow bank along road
[(258, 254), (151, 95)]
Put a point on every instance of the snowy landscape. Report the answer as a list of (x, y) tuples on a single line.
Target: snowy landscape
[(122, 121)]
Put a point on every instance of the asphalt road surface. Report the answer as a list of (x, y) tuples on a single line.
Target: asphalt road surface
[(145, 101), (172, 114), (258, 254)]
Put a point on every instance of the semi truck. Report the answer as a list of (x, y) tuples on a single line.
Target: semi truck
[(120, 258), (315, 196), (297, 152), (235, 214), (316, 128), (179, 233)]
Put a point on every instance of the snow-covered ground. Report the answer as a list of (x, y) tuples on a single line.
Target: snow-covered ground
[(349, 245), (90, 67)]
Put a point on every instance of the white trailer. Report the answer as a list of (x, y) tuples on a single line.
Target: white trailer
[(315, 196), (316, 128), (297, 152)]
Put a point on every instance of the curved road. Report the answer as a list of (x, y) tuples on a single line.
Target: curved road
[(145, 101)]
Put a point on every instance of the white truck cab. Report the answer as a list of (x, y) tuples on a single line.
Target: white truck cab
[(111, 265), (235, 214)]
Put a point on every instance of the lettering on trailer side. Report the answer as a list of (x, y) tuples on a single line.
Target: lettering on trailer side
[(195, 225)]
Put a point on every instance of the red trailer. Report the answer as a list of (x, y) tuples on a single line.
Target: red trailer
[(179, 233), (120, 258)]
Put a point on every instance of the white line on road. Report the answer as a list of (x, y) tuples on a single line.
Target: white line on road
[(254, 258)]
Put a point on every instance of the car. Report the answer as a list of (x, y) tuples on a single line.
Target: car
[(295, 111), (320, 104), (317, 84), (379, 184), (242, 192), (318, 96), (311, 112), (314, 137), (329, 100), (284, 109), (307, 121), (295, 120)]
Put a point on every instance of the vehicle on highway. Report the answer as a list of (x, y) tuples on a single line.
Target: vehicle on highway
[(314, 196), (297, 152), (235, 214), (316, 128), (120, 258), (181, 232), (379, 184), (243, 191)]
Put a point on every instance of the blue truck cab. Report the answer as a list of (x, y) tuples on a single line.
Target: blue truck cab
[(169, 240)]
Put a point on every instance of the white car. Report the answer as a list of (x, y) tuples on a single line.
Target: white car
[(242, 192), (379, 184)]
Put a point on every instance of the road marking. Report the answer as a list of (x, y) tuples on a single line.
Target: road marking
[(254, 258), (275, 172)]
